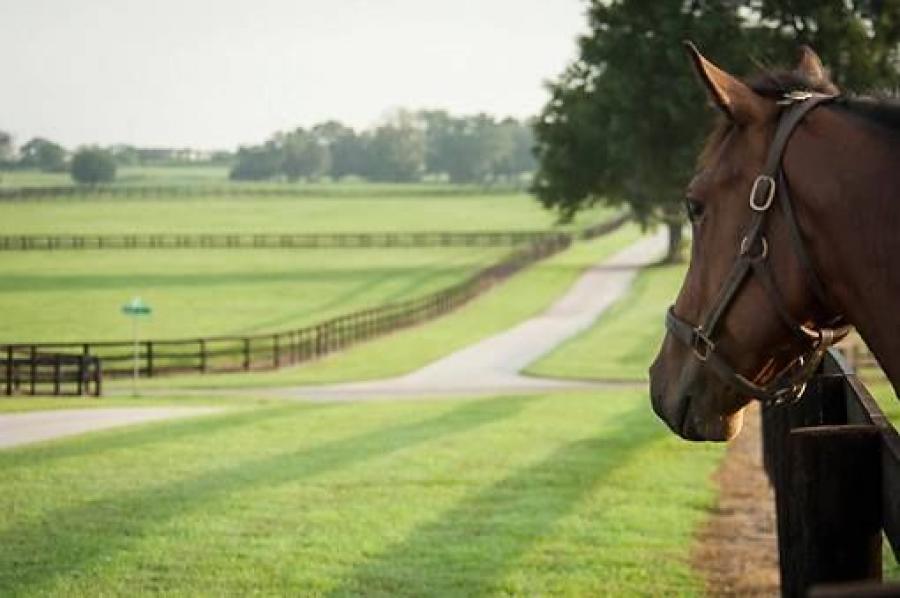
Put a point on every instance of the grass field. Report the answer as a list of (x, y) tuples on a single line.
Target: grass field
[(76, 295), (454, 212), (565, 494), (526, 294)]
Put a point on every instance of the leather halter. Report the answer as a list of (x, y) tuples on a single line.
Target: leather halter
[(752, 256)]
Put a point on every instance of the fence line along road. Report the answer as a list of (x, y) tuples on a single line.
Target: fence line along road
[(45, 368), (23, 365)]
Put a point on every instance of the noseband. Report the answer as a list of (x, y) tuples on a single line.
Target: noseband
[(752, 259)]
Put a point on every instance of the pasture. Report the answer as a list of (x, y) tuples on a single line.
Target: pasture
[(352, 209), (525, 295), (567, 494), (76, 295)]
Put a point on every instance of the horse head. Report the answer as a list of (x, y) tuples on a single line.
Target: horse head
[(747, 312)]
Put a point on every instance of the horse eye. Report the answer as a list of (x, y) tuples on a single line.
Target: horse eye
[(694, 209)]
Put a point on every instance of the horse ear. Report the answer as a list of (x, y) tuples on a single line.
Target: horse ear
[(810, 67), (728, 93)]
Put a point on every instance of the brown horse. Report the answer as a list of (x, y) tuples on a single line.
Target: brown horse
[(796, 231)]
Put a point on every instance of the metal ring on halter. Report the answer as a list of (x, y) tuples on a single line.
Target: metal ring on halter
[(699, 335), (746, 245), (770, 194)]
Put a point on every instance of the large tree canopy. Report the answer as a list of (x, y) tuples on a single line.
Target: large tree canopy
[(626, 119)]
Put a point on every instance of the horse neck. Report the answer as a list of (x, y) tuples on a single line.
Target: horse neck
[(846, 185)]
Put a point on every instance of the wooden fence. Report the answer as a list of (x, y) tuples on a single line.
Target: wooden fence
[(281, 241), (834, 461), (27, 370), (256, 190), (268, 351)]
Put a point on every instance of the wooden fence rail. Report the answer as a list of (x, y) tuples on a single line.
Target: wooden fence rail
[(834, 461), (26, 370), (286, 241), (255, 190), (269, 351)]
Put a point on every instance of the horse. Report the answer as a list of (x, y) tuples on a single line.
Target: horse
[(795, 224)]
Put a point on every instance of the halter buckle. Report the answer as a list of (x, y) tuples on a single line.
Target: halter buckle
[(769, 195), (700, 340), (747, 244)]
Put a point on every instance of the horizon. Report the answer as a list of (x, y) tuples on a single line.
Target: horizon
[(212, 77)]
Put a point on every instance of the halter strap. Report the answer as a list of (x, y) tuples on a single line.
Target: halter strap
[(752, 256)]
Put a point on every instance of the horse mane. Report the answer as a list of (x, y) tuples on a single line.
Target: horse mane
[(880, 108)]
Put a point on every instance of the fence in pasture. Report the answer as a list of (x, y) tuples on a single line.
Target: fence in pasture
[(279, 241), (834, 461), (27, 370), (256, 190), (300, 240), (274, 350)]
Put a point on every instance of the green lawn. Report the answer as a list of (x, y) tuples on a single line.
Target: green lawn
[(564, 494), (313, 214), (624, 341), (76, 295), (522, 296)]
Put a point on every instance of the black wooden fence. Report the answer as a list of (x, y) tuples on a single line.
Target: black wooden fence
[(268, 351), (834, 461), (28, 370), (255, 190), (280, 241), (300, 240)]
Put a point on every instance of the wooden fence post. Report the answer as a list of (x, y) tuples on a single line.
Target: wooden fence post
[(32, 367), (9, 370), (202, 354), (148, 352), (276, 353), (79, 376), (246, 353), (98, 377), (833, 520), (57, 370)]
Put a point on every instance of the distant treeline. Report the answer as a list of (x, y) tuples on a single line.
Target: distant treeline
[(407, 147), (46, 155)]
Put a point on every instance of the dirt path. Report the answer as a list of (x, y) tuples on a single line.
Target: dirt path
[(493, 364), (35, 426), (736, 550)]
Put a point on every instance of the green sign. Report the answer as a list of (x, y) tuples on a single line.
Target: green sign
[(136, 307)]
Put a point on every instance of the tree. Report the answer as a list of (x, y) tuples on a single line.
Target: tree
[(396, 151), (92, 165), (859, 41), (304, 155), (43, 154), (7, 146), (257, 163), (626, 119)]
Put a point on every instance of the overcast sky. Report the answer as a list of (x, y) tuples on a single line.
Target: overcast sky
[(216, 73)]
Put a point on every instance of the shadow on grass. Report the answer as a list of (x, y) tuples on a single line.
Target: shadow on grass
[(152, 433), (467, 550), (73, 538)]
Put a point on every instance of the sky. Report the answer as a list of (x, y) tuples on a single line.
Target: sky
[(214, 74)]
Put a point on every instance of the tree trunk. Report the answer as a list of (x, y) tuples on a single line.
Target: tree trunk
[(673, 253)]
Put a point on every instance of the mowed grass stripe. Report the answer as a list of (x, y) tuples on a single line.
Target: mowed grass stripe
[(571, 494), (523, 296), (77, 295)]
